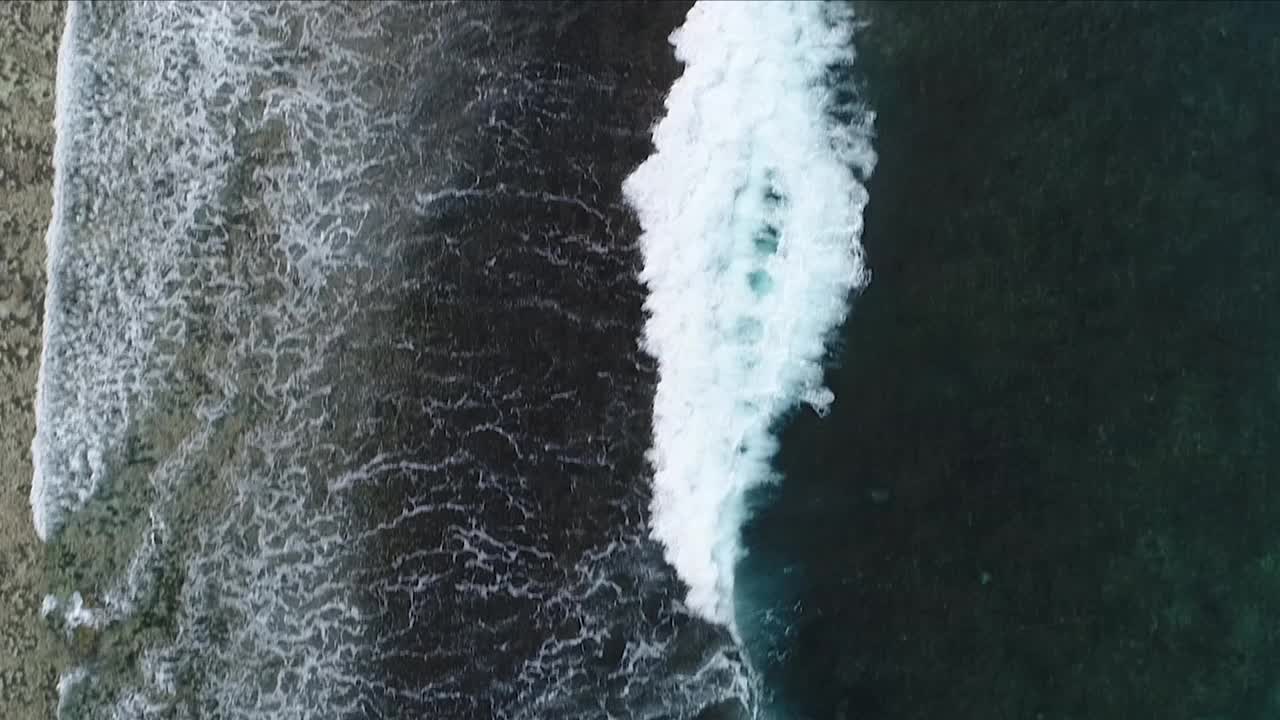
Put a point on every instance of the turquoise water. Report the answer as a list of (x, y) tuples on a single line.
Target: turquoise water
[(1046, 488)]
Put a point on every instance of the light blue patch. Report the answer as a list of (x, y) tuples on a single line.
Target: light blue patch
[(760, 282)]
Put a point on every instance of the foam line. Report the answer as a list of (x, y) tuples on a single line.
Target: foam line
[(751, 212), (49, 498)]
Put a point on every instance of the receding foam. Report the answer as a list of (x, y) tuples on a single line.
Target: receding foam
[(751, 213), (122, 254), (48, 499)]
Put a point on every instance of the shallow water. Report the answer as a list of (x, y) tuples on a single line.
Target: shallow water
[(342, 411)]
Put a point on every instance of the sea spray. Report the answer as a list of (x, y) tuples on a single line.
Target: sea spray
[(751, 210)]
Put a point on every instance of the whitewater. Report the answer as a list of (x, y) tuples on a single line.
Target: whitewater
[(341, 411), (751, 209)]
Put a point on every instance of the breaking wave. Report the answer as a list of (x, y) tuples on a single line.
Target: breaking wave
[(751, 209)]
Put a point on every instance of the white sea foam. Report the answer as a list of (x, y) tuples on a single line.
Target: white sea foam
[(168, 312), (124, 256), (751, 211), (67, 684), (46, 498)]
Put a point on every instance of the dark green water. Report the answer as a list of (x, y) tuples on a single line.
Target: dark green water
[(1048, 488)]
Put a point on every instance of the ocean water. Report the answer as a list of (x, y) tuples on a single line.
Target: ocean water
[(1047, 486), (778, 360), (342, 410)]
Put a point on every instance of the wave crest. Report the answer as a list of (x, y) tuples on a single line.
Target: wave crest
[(751, 213)]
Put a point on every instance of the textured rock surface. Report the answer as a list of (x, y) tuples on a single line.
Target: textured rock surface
[(29, 35)]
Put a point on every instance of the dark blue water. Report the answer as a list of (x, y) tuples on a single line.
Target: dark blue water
[(1047, 487)]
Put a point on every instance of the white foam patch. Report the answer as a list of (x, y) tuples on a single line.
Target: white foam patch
[(68, 683), (73, 613), (751, 211)]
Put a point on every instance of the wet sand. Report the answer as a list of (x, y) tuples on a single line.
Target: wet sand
[(29, 34)]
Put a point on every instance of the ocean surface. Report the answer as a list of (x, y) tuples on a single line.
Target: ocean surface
[(342, 410), (1047, 487), (778, 360)]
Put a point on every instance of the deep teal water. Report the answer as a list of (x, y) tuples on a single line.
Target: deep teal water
[(1048, 488)]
